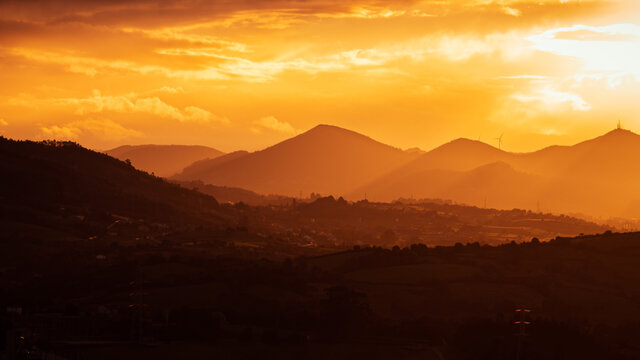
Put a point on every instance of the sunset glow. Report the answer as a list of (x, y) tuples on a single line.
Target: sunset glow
[(244, 75), (317, 179)]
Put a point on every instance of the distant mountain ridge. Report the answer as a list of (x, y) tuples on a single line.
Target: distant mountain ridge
[(326, 159), (200, 168), (163, 160), (596, 177)]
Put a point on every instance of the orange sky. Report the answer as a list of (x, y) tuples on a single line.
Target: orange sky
[(246, 74)]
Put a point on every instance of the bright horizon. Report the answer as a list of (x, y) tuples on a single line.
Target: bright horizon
[(492, 142), (247, 75)]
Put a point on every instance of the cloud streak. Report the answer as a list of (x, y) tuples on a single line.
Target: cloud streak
[(271, 123), (101, 128), (377, 66), (149, 105)]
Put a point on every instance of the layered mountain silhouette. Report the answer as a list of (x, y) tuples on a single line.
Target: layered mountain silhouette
[(203, 167), (595, 177), (163, 160), (326, 159)]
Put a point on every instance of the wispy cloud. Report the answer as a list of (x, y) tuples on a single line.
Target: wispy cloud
[(612, 49), (271, 123), (104, 128), (548, 97), (130, 103)]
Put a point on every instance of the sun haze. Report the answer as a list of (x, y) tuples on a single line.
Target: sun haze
[(245, 74)]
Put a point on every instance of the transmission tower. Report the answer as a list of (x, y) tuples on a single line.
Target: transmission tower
[(522, 316)]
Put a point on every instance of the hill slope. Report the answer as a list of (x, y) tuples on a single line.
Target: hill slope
[(163, 160), (202, 168), (226, 194), (594, 177), (48, 183), (325, 159)]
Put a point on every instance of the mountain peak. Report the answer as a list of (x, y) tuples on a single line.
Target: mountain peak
[(331, 135), (614, 138), (619, 132), (462, 144), (330, 129), (326, 126), (325, 159)]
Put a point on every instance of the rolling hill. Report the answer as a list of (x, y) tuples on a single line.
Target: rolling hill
[(595, 177), (64, 187), (227, 194), (163, 160), (326, 159), (201, 168)]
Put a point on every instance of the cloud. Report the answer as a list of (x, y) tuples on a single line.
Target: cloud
[(155, 106), (257, 57), (263, 13), (271, 123), (93, 67), (178, 34), (194, 27), (524, 77), (105, 129), (511, 11), (551, 132), (168, 89), (201, 116), (449, 47), (549, 97), (611, 49), (151, 105), (3, 122), (60, 132)]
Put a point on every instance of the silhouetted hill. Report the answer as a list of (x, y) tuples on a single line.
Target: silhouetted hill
[(426, 221), (498, 184), (460, 154), (65, 186), (226, 194), (433, 171), (326, 159), (163, 160), (594, 177), (201, 168)]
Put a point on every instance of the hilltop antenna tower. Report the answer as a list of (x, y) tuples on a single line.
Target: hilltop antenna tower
[(619, 127), (500, 141)]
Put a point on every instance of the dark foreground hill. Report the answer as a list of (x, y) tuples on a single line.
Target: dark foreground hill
[(455, 302), (61, 185)]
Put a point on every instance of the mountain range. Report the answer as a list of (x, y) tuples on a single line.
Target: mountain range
[(326, 159), (595, 177)]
